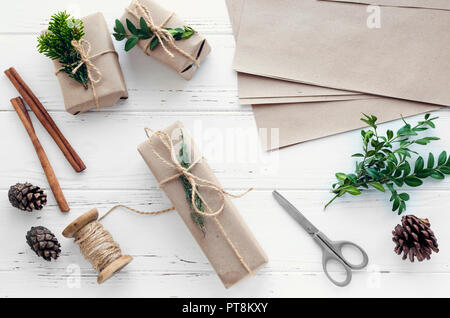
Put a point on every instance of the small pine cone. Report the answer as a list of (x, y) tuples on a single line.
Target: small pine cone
[(43, 243), (414, 238), (27, 197)]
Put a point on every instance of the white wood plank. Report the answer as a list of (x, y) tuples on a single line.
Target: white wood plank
[(167, 261), (206, 16), (107, 142), (165, 253)]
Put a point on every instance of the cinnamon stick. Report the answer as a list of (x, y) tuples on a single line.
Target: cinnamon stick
[(45, 118), (45, 163)]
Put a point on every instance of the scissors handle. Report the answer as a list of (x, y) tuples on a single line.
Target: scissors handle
[(338, 245), (332, 251)]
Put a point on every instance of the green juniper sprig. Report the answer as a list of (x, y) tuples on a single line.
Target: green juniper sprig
[(383, 164), (183, 158), (56, 43), (144, 33)]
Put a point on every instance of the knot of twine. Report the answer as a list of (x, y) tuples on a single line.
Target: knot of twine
[(159, 32), (195, 183), (83, 47)]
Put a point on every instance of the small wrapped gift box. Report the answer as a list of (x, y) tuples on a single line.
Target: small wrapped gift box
[(225, 239), (194, 49), (99, 49)]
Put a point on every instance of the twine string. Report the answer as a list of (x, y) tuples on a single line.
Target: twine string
[(163, 35), (84, 47), (97, 245)]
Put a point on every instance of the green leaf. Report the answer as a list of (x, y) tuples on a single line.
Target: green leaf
[(131, 42), (419, 165), (119, 27), (358, 155), (445, 169), (442, 158), (396, 204), (430, 162), (188, 32), (405, 129), (437, 175), (352, 190), (373, 173), (132, 28), (390, 134), (144, 27), (119, 37), (413, 181), (404, 196), (352, 177), (154, 43), (378, 186), (341, 176), (425, 173)]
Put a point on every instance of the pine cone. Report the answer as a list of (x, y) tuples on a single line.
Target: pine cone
[(43, 243), (27, 197), (414, 238)]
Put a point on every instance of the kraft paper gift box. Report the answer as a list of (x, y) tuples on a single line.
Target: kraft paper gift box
[(220, 230), (196, 46), (405, 58), (427, 4), (111, 87)]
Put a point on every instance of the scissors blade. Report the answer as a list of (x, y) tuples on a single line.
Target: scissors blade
[(296, 214)]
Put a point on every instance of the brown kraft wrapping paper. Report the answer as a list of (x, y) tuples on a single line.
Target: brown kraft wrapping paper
[(196, 46), (111, 87), (213, 243)]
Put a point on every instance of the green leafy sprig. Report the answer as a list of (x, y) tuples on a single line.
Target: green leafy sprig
[(383, 166), (143, 32), (183, 158), (56, 43)]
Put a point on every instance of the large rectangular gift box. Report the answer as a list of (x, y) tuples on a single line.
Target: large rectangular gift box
[(226, 240), (111, 86), (196, 46)]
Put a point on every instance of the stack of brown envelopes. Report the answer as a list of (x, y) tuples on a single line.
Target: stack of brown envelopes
[(309, 68)]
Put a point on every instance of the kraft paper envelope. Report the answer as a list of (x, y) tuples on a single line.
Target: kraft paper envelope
[(330, 44), (301, 99), (428, 4), (250, 86), (307, 121)]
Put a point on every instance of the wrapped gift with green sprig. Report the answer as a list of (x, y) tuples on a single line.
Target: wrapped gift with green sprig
[(162, 35), (86, 63)]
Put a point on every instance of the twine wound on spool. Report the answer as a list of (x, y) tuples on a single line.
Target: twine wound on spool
[(97, 245)]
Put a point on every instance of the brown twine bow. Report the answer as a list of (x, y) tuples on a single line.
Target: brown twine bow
[(196, 182), (159, 32), (83, 47)]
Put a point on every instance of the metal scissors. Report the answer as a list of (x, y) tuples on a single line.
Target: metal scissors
[(331, 250)]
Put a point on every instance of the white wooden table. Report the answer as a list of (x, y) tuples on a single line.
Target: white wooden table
[(167, 261)]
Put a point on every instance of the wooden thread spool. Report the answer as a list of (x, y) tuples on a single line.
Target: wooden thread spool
[(113, 267)]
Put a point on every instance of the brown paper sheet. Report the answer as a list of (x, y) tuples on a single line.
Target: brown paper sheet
[(427, 4), (197, 46), (298, 123), (219, 253), (301, 99), (112, 86), (406, 58), (251, 86)]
